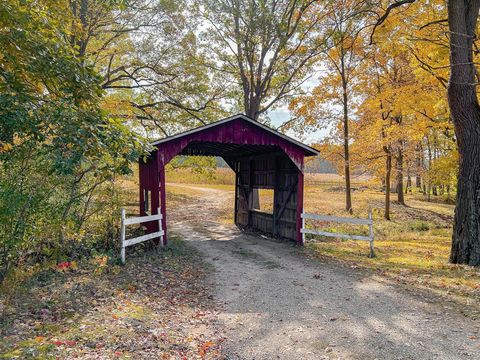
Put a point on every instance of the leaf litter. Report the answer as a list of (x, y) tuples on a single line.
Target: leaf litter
[(157, 306)]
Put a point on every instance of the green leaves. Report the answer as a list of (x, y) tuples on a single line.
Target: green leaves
[(59, 150)]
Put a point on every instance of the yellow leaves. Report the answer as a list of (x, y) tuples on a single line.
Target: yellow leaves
[(5, 147)]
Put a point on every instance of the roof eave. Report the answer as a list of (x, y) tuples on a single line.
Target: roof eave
[(309, 151)]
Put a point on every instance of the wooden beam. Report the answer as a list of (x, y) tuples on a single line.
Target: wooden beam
[(142, 238), (337, 235), (336, 219), (300, 204), (142, 219), (275, 196), (163, 199)]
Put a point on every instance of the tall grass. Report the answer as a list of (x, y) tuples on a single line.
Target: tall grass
[(222, 176)]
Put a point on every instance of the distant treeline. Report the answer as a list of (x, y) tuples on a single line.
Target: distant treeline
[(320, 165), (316, 166)]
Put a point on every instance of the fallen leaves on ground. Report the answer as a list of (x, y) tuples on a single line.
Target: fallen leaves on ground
[(158, 306)]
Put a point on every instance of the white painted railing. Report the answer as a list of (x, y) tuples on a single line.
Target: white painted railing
[(336, 219), (139, 239)]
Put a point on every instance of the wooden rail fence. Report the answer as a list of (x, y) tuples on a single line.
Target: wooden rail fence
[(138, 220), (336, 219)]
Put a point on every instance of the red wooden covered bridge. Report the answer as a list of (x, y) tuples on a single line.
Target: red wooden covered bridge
[(261, 158)]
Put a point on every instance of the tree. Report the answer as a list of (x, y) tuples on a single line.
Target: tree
[(465, 114), (333, 99), (145, 52), (57, 147), (266, 47)]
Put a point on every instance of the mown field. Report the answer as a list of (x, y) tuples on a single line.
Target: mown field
[(412, 248)]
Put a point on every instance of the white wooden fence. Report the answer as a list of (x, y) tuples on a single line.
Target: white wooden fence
[(368, 222), (139, 239)]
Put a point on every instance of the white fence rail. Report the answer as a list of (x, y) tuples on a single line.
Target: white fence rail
[(344, 220), (138, 220)]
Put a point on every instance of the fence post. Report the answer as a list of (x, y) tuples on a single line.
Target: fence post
[(162, 237), (122, 237), (370, 229), (303, 227)]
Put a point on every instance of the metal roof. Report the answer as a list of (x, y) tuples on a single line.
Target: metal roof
[(310, 150)]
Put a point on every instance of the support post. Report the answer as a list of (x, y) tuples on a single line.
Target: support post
[(252, 198), (122, 237), (237, 189), (303, 227), (160, 228), (163, 205), (370, 229), (276, 208), (299, 206)]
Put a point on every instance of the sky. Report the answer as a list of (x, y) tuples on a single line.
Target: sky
[(281, 114)]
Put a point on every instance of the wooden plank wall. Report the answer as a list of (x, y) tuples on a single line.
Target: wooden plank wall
[(272, 171), (149, 180)]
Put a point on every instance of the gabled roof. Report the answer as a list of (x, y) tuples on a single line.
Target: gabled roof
[(309, 151)]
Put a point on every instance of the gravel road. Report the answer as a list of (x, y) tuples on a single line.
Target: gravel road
[(277, 304)]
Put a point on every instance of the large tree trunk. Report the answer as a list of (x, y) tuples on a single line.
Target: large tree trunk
[(252, 110), (348, 188), (465, 113)]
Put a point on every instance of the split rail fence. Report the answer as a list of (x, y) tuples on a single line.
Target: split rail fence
[(336, 219), (139, 220)]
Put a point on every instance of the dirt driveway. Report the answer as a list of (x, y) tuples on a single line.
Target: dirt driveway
[(277, 304)]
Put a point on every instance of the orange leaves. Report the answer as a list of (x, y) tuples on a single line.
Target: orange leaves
[(39, 339), (202, 350)]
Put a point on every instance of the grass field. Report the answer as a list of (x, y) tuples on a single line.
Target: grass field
[(413, 248)]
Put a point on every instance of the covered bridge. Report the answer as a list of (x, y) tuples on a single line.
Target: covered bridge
[(261, 158)]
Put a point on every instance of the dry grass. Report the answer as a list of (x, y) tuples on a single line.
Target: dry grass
[(413, 248), (222, 176)]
